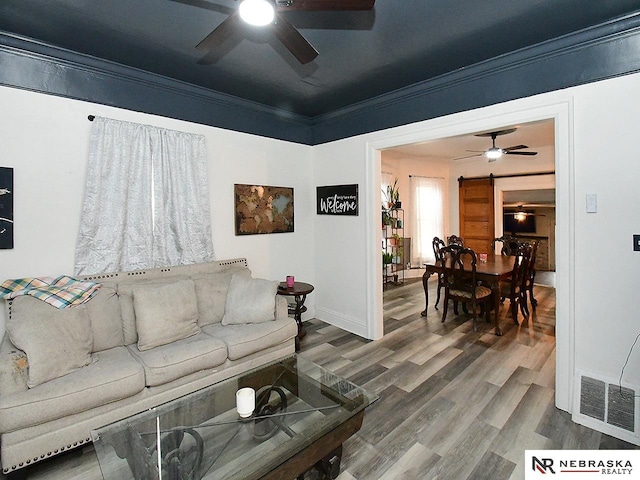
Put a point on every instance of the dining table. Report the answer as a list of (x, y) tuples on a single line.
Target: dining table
[(493, 271)]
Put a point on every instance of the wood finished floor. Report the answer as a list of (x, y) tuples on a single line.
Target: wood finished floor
[(454, 404)]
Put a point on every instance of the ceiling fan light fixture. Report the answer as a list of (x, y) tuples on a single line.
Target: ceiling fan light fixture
[(257, 12), (520, 215), (493, 154)]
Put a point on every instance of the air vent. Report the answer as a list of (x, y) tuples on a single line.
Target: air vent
[(621, 407), (608, 403), (592, 398)]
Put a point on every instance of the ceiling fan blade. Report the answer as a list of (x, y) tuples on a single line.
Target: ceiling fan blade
[(525, 214), (294, 41), (469, 156), (220, 34), (326, 5), (515, 147), (521, 153)]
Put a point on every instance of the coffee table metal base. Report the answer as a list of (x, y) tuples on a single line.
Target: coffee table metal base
[(303, 415)]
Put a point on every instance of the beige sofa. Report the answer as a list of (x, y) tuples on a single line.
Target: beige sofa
[(124, 351)]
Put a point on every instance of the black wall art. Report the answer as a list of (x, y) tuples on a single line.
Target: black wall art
[(337, 200), (6, 208)]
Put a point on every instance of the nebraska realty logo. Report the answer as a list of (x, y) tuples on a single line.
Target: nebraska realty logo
[(581, 464)]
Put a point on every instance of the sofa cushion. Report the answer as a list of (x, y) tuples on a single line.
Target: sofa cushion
[(165, 313), (106, 322), (14, 368), (250, 300), (243, 340), (211, 291), (180, 358), (125, 296), (114, 374), (57, 341)]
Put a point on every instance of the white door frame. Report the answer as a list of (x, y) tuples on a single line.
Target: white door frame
[(497, 116), (501, 185)]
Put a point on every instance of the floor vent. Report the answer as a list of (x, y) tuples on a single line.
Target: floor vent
[(621, 403), (608, 403)]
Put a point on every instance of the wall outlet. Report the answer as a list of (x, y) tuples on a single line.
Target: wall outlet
[(636, 243)]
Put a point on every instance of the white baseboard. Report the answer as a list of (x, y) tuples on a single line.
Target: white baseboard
[(356, 326)]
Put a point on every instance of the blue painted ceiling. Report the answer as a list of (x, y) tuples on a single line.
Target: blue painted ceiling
[(362, 55)]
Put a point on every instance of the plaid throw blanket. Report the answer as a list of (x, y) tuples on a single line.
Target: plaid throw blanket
[(61, 292)]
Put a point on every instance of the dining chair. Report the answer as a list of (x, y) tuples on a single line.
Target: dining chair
[(455, 240), (514, 289), (438, 244), (460, 282), (529, 278), (509, 244)]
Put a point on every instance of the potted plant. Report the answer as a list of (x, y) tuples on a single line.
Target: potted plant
[(394, 240), (386, 218), (392, 195), (399, 252)]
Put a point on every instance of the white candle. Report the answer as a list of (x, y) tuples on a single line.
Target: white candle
[(245, 401)]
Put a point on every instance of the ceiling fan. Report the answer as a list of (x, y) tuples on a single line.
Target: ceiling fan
[(493, 153), (268, 14), (520, 214)]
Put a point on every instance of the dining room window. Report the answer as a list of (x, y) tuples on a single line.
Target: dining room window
[(427, 216)]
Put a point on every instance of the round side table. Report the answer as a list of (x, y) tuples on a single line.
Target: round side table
[(299, 292)]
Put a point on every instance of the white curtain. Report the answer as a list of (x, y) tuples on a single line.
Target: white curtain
[(146, 201), (427, 196)]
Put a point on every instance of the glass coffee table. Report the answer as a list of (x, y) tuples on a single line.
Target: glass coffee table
[(303, 413)]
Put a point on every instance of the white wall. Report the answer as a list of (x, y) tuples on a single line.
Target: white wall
[(403, 166), (339, 253), (598, 273), (45, 139), (607, 270)]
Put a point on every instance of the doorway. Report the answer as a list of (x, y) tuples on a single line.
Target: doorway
[(514, 113)]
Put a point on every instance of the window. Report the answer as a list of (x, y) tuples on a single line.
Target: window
[(146, 202), (427, 200)]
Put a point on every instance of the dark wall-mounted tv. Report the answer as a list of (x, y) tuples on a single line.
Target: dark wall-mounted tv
[(512, 225)]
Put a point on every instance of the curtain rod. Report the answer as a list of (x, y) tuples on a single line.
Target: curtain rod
[(513, 175), (424, 176)]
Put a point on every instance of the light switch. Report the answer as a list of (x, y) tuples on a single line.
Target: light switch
[(592, 203), (636, 243)]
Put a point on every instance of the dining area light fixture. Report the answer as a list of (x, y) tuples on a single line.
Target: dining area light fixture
[(493, 153), (520, 215), (257, 12)]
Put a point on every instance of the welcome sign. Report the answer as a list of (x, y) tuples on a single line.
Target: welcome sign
[(337, 200)]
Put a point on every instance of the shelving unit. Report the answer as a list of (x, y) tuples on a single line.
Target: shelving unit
[(393, 247)]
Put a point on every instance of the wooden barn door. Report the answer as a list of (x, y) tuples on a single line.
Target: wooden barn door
[(477, 213)]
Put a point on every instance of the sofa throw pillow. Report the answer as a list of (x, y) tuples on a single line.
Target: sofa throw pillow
[(250, 300), (211, 292), (56, 341), (106, 319), (165, 313), (127, 311)]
